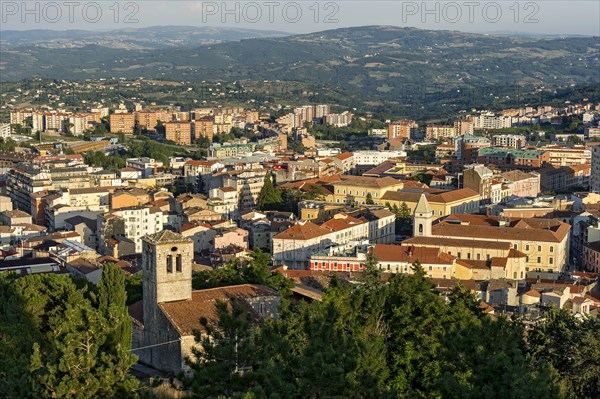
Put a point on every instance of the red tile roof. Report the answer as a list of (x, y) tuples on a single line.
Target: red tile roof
[(305, 231), (185, 315), (411, 254)]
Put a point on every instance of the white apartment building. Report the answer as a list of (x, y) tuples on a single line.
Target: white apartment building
[(224, 200), (146, 165), (375, 157), (5, 130), (491, 121), (294, 246), (509, 140), (247, 184), (85, 202), (139, 221)]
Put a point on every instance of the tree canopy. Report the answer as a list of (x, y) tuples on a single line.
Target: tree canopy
[(63, 341), (375, 339)]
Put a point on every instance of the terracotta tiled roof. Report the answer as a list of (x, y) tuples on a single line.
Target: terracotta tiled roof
[(499, 262), (453, 196), (185, 315), (342, 224), (136, 312), (473, 264), (411, 254), (456, 242), (199, 163), (533, 293), (545, 230), (376, 182), (402, 196), (304, 231), (343, 156)]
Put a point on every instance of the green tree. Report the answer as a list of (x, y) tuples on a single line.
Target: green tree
[(486, 359), (369, 200), (112, 304), (64, 337), (570, 346), (268, 198), (222, 364), (371, 274)]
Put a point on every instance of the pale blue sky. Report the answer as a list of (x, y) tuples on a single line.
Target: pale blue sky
[(542, 16)]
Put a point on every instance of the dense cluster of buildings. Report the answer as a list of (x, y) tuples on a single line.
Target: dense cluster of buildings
[(516, 221)]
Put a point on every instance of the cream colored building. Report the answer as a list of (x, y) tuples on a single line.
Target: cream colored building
[(356, 189), (544, 243), (463, 200)]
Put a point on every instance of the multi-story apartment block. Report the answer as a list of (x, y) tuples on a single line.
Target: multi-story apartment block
[(511, 158), (463, 126), (467, 146), (481, 179), (55, 121), (322, 110), (63, 204), (521, 184), (81, 122), (19, 117), (491, 121), (440, 132), (559, 156), (595, 174), (224, 200), (563, 178), (404, 128), (373, 158), (338, 120), (4, 130), (204, 127), (192, 170), (148, 166), (147, 119), (137, 222), (230, 150), (179, 132), (509, 141), (29, 178), (247, 184), (294, 246), (122, 123)]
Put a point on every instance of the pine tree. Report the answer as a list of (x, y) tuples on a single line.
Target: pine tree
[(223, 363), (269, 198), (112, 304)]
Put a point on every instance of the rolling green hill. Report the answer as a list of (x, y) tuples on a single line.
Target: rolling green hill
[(371, 65)]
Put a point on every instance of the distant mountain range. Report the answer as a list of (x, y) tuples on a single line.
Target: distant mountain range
[(134, 38), (372, 64)]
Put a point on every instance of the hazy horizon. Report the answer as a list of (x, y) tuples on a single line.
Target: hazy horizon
[(546, 17)]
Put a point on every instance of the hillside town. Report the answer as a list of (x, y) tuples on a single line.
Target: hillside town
[(512, 216)]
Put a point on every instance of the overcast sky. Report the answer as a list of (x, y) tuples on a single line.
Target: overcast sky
[(543, 16)]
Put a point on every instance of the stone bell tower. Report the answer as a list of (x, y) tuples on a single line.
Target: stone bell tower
[(422, 218), (167, 269)]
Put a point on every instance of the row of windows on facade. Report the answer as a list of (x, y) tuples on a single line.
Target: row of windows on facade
[(539, 258), (364, 193), (539, 248)]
